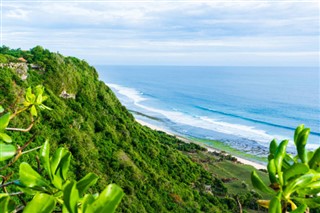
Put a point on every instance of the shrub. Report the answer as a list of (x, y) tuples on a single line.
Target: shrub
[(50, 190), (295, 180)]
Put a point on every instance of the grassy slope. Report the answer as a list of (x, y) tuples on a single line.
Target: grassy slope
[(223, 147), (236, 176)]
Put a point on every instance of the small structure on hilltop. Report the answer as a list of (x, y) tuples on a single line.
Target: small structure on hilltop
[(66, 95), (22, 60), (36, 67)]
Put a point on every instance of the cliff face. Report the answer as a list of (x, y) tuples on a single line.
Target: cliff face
[(104, 138), (21, 68)]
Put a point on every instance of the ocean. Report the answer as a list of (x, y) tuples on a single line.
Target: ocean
[(244, 107)]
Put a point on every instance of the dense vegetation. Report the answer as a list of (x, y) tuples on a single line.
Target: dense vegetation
[(48, 188), (104, 138), (157, 172)]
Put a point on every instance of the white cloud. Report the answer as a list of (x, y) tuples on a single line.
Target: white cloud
[(17, 14), (182, 31)]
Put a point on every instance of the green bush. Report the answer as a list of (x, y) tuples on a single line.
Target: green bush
[(295, 180), (50, 190)]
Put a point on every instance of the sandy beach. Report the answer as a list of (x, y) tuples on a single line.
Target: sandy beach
[(210, 149)]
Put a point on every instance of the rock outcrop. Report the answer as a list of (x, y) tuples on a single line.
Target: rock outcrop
[(21, 68)]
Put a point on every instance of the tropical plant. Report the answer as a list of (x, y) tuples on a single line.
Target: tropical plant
[(295, 180), (51, 189)]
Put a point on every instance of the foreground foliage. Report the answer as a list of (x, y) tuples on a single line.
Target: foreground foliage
[(52, 191), (295, 180)]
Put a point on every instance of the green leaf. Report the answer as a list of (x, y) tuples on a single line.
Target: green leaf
[(39, 90), (30, 97), (4, 121), (59, 165), (28, 93), (108, 200), (26, 103), (28, 191), (278, 159), (258, 183), (1, 109), (5, 137), (301, 143), (41, 203), (301, 209), (289, 160), (7, 151), (71, 196), (273, 146), (31, 178), (310, 155), (33, 111), (312, 202), (55, 160), (44, 98), (4, 203), (57, 181), (86, 201), (295, 169), (87, 181), (308, 191), (297, 183), (297, 132), (64, 165), (272, 171), (44, 157), (315, 185), (42, 106), (275, 204), (315, 160), (62, 170), (39, 99), (311, 189)]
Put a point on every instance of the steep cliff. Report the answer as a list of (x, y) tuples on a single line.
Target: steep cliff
[(104, 138)]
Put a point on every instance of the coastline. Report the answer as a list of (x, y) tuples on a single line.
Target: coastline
[(210, 149)]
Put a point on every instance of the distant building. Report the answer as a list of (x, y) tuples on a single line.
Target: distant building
[(22, 60), (35, 67)]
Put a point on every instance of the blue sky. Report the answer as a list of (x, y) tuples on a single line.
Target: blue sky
[(233, 33)]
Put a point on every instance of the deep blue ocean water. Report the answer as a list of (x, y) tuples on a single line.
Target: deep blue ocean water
[(245, 107)]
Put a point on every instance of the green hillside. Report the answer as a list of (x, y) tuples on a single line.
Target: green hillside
[(104, 138)]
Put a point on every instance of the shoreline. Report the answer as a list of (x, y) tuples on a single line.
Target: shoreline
[(210, 149)]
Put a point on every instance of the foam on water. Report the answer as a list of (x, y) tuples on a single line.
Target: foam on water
[(130, 93), (203, 122)]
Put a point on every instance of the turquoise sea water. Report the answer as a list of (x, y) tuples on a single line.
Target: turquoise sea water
[(245, 107)]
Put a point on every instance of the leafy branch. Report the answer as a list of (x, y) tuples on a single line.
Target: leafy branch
[(54, 190)]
